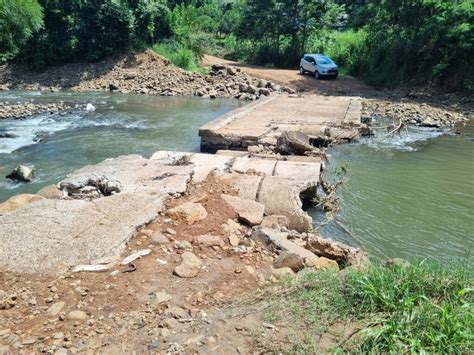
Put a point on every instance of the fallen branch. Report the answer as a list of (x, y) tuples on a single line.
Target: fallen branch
[(398, 128)]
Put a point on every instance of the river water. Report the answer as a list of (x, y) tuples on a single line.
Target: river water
[(405, 196), (121, 124), (409, 196)]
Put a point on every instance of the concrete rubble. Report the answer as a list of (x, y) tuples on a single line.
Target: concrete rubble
[(104, 205)]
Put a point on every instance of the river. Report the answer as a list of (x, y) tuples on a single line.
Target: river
[(121, 124), (408, 196), (405, 196)]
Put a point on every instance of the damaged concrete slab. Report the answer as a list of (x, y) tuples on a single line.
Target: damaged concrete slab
[(103, 205), (264, 121)]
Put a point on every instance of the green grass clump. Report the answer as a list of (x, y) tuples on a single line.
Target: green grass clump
[(420, 308), (178, 55)]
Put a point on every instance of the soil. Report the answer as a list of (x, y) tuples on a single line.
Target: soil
[(205, 314), (413, 105)]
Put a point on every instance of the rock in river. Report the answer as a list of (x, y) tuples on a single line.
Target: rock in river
[(21, 173)]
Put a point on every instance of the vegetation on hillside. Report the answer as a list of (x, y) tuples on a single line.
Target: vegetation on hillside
[(420, 308), (382, 41)]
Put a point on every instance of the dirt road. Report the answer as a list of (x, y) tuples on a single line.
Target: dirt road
[(343, 85)]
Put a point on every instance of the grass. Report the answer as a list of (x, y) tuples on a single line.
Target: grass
[(421, 308), (178, 55)]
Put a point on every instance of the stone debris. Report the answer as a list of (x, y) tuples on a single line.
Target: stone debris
[(208, 240), (158, 297), (135, 256), (141, 73), (55, 308), (189, 212), (91, 268), (189, 267), (294, 261), (323, 263), (249, 211), (76, 315), (336, 251)]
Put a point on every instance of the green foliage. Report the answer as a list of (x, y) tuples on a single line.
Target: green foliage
[(413, 41), (280, 29), (177, 54), (347, 49), (420, 308), (94, 29), (19, 19)]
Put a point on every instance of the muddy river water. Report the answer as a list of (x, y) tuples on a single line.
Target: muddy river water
[(406, 196)]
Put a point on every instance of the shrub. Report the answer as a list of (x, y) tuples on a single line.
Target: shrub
[(177, 54)]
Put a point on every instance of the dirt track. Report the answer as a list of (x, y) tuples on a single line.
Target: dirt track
[(343, 85)]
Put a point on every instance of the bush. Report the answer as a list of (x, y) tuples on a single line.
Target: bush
[(179, 56)]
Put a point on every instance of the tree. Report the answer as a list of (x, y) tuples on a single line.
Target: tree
[(19, 19)]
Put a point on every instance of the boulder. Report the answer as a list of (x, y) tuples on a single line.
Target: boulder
[(275, 222), (21, 173), (189, 267), (323, 263), (288, 90), (113, 87), (231, 71), (251, 89), (293, 142), (278, 242), (249, 211), (243, 87), (15, 202), (262, 83), (337, 251), (264, 91), (190, 212), (294, 261)]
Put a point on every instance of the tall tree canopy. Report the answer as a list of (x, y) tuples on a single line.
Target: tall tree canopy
[(19, 19)]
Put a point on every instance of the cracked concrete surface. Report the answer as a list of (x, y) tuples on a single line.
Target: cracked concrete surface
[(51, 235)]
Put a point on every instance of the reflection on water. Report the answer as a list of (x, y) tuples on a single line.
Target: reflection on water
[(121, 124), (408, 196)]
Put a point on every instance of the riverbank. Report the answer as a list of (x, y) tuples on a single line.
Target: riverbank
[(171, 254), (141, 73)]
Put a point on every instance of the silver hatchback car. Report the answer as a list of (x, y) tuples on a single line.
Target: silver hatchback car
[(319, 65)]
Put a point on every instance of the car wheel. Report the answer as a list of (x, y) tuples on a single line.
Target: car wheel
[(316, 75), (301, 71), (334, 77)]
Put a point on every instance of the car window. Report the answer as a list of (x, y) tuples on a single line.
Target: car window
[(324, 60), (309, 59)]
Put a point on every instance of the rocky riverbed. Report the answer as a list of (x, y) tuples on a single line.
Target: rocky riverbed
[(24, 110), (142, 73)]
